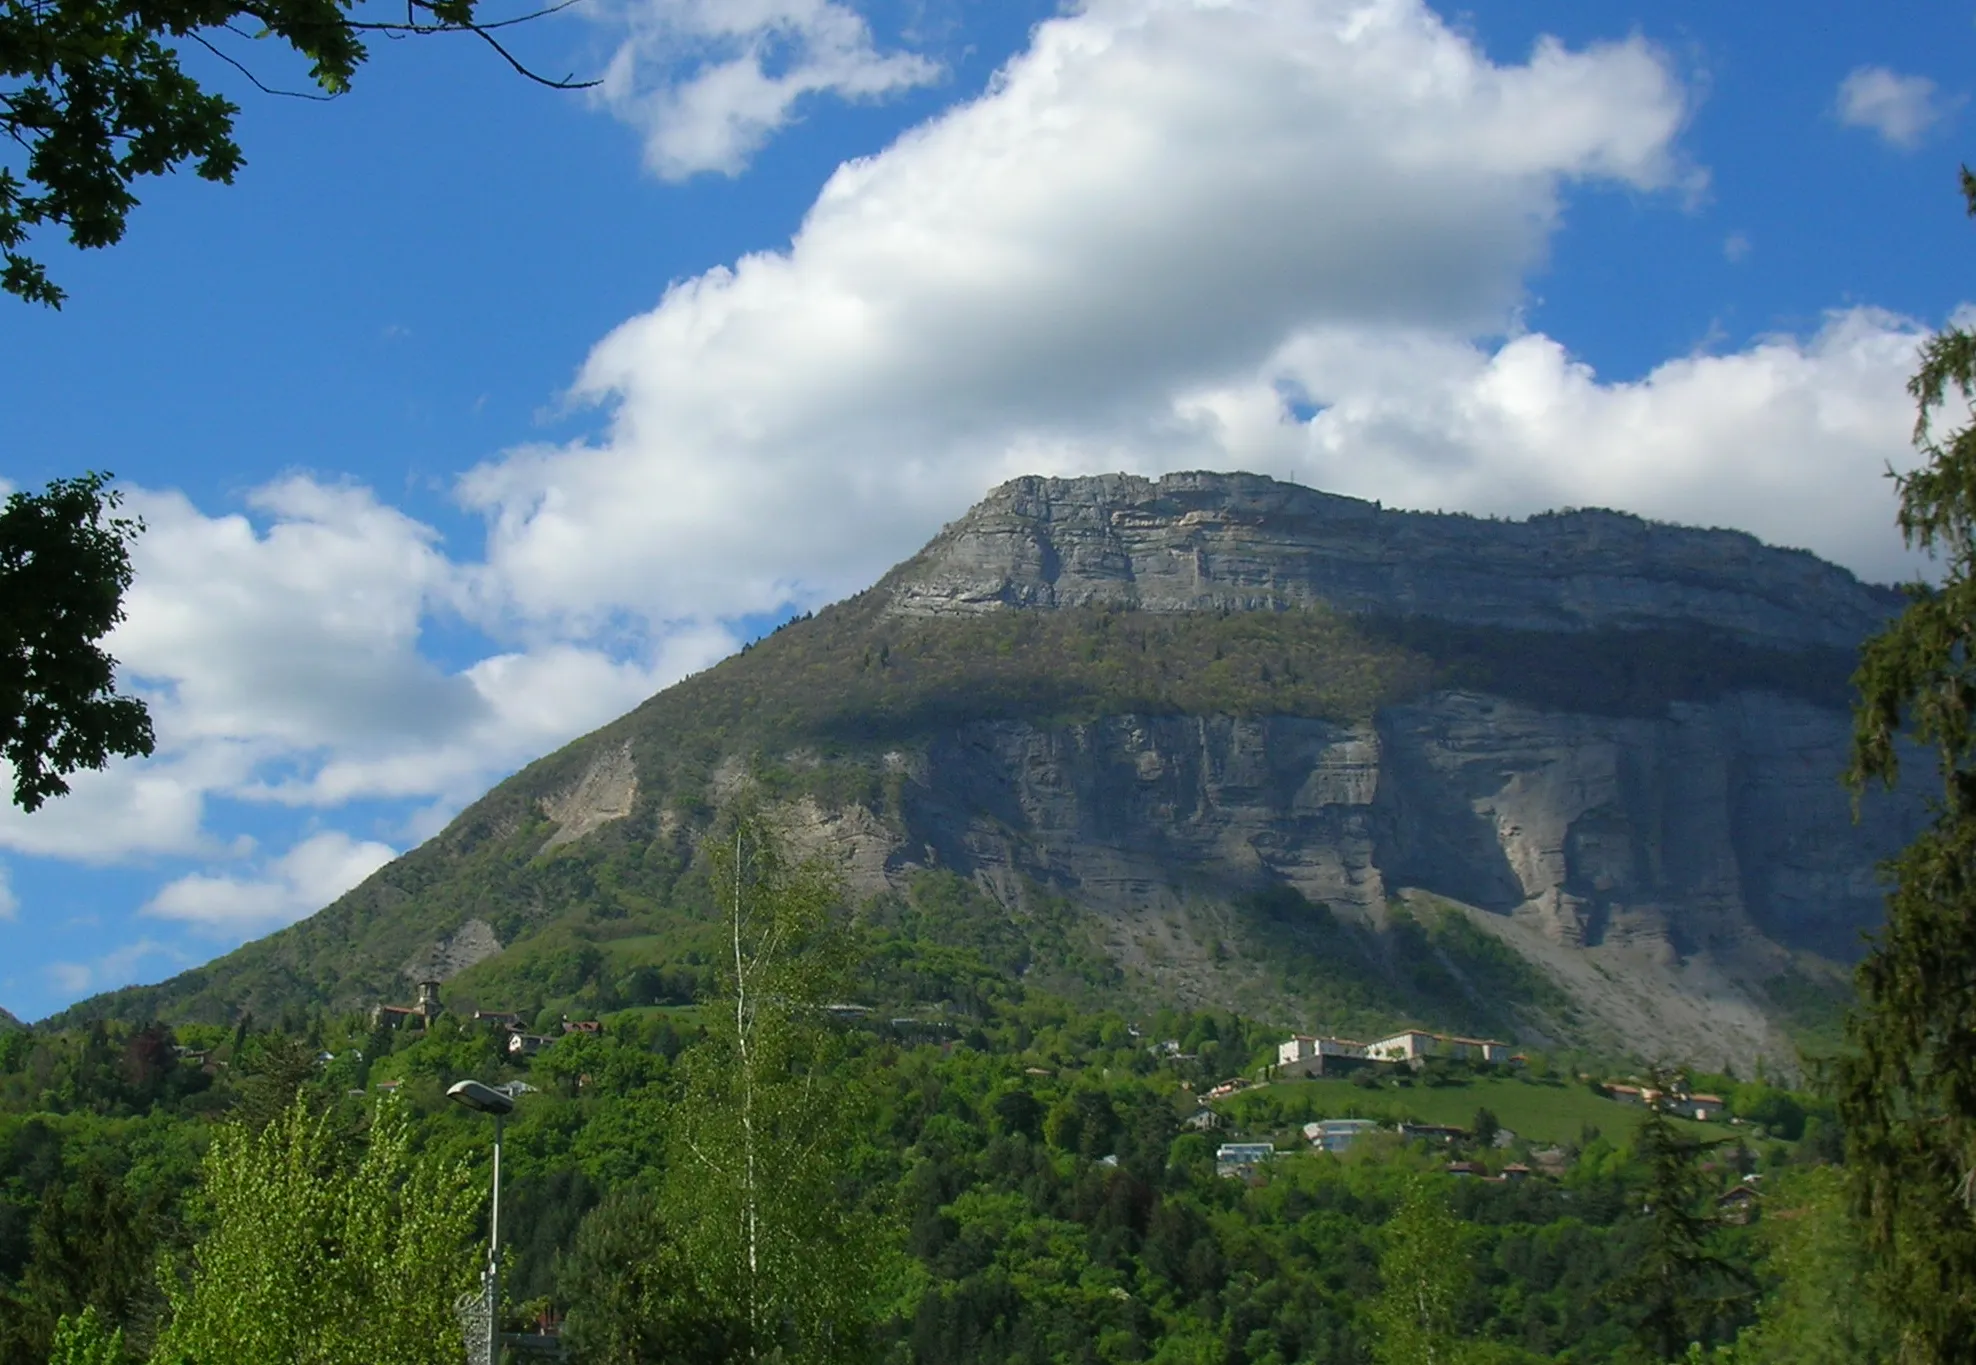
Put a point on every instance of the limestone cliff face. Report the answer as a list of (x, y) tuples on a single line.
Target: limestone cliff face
[(1659, 868), (1190, 542)]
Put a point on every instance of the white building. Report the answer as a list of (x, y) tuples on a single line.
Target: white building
[(1409, 1046), (1335, 1135), (1304, 1054), (1414, 1044), (1241, 1158), (1476, 1049)]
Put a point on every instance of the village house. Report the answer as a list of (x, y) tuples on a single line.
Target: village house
[(1410, 1046), (1634, 1094), (424, 1012), (1475, 1049), (1335, 1135), (1415, 1045), (526, 1044), (1203, 1120), (1739, 1206), (1304, 1054), (1707, 1108), (1240, 1159)]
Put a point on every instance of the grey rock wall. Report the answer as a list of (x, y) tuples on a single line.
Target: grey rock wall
[(1660, 870), (1205, 541)]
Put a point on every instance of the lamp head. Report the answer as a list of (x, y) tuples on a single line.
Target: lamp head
[(484, 1098)]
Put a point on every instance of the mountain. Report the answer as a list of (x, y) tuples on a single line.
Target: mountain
[(7, 1021), (1214, 739)]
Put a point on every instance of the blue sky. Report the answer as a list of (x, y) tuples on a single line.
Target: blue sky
[(475, 412)]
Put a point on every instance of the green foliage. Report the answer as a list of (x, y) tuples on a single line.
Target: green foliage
[(765, 1119), (1813, 1250), (1683, 1288), (1424, 1273), (316, 1253), (630, 1293), (86, 1340), (1906, 1086), (64, 569), (96, 99)]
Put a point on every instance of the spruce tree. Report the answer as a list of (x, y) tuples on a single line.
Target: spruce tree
[(1906, 1086)]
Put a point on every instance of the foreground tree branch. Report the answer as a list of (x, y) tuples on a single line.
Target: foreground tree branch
[(93, 98)]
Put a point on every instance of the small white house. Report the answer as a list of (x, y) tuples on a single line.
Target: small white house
[(1335, 1135), (1241, 1158)]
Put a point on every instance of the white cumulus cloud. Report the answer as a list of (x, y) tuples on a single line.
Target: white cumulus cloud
[(708, 82), (1899, 108), (118, 967), (301, 881), (1156, 194)]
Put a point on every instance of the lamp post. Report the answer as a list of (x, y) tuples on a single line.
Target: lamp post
[(498, 1101)]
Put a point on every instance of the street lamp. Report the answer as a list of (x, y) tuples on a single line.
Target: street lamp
[(498, 1101)]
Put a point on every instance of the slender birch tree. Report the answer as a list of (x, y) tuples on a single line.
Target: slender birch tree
[(756, 1172), (1426, 1273)]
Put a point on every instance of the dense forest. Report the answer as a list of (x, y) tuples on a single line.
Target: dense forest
[(1012, 1177)]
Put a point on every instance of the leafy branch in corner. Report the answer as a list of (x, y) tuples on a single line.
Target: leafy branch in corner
[(93, 97)]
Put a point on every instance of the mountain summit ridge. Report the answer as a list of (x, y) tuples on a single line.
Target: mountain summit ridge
[(1200, 541)]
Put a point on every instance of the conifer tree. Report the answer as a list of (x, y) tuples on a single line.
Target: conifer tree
[(1681, 1289), (1906, 1087)]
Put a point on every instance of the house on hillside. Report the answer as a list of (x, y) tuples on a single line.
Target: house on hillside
[(1432, 1132), (526, 1044), (1304, 1054), (1203, 1121), (589, 1026), (1739, 1206), (1336, 1135), (1414, 1045), (1475, 1049), (1409, 1046), (422, 1014), (1707, 1108), (1240, 1159)]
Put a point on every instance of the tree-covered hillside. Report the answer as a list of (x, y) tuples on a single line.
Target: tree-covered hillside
[(1032, 1187)]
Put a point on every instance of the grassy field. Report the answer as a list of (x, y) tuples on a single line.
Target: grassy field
[(1540, 1112)]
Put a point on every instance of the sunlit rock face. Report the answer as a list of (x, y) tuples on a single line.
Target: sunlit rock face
[(1194, 542)]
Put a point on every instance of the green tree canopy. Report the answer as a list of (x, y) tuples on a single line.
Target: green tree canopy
[(1425, 1273), (64, 568), (1906, 1086), (767, 1124), (323, 1250)]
